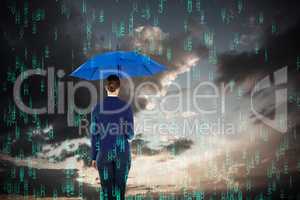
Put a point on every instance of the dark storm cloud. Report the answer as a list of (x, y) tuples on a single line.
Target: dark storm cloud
[(48, 182), (140, 146), (278, 50), (60, 57), (179, 146), (82, 152)]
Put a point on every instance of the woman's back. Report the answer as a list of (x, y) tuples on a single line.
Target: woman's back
[(113, 126)]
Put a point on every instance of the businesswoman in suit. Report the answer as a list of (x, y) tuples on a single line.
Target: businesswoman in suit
[(112, 127)]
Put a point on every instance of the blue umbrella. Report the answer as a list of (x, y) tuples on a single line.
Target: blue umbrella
[(122, 63)]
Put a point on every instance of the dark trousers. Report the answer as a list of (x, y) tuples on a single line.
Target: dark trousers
[(113, 176)]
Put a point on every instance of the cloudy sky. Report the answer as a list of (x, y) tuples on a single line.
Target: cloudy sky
[(232, 45)]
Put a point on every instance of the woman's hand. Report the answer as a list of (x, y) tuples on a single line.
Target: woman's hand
[(94, 164)]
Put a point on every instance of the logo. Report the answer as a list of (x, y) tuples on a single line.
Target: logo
[(279, 122)]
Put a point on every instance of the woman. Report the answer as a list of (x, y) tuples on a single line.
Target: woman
[(112, 127)]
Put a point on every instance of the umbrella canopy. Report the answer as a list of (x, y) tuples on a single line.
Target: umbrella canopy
[(122, 63)]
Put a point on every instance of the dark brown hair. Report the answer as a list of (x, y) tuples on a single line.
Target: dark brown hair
[(112, 82)]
